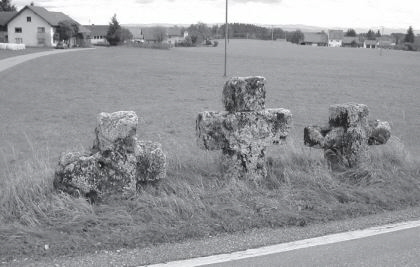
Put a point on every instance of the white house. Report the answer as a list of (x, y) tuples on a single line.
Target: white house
[(175, 35), (370, 44), (36, 26), (335, 38)]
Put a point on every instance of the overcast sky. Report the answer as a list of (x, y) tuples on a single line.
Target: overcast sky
[(324, 13)]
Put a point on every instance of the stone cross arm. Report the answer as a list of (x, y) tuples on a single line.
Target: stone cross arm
[(225, 130), (378, 133)]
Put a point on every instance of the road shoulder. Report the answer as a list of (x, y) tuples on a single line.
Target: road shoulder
[(224, 243)]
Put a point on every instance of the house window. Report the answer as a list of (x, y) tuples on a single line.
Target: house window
[(18, 30), (28, 19), (41, 29), (18, 40)]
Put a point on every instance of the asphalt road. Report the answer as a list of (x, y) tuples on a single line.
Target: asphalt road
[(400, 248)]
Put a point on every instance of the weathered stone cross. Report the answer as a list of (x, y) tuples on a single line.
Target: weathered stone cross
[(245, 129), (345, 141), (116, 165)]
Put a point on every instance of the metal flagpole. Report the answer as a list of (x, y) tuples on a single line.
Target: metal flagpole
[(226, 36)]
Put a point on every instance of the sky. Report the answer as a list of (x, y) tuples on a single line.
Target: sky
[(323, 13)]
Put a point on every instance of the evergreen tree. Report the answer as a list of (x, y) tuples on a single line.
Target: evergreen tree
[(351, 33), (409, 37), (114, 31), (370, 35), (5, 5)]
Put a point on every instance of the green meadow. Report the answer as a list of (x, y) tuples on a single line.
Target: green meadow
[(49, 105)]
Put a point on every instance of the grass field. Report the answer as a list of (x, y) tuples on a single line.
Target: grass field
[(53, 101), (49, 105)]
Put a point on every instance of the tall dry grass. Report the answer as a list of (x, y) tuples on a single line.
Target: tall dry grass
[(194, 201)]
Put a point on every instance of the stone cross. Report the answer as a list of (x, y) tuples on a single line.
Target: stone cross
[(116, 165), (245, 129), (346, 139)]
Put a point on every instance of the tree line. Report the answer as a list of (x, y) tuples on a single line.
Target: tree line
[(200, 31)]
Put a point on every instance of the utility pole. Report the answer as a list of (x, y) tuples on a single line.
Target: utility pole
[(272, 32), (226, 36), (381, 41)]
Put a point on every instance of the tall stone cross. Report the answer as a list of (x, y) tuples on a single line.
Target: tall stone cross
[(245, 129), (347, 138)]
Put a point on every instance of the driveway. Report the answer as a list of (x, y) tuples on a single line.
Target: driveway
[(13, 61)]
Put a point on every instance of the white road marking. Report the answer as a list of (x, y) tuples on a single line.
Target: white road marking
[(311, 242)]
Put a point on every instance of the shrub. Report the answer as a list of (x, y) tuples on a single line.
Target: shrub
[(186, 43)]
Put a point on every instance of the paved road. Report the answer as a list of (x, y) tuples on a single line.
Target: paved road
[(388, 245), (401, 248), (13, 61)]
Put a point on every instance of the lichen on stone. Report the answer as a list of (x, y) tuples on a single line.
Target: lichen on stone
[(244, 94), (117, 163), (346, 139), (244, 130)]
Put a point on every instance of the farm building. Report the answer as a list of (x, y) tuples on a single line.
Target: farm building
[(155, 35), (314, 39), (4, 18), (370, 44), (171, 35), (335, 38), (351, 41), (175, 35), (98, 34), (36, 26), (136, 32), (417, 43), (386, 42)]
